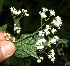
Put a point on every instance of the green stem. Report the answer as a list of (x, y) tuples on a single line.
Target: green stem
[(41, 23), (36, 31), (41, 26)]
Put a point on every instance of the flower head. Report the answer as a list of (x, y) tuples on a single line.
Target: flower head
[(54, 39), (44, 9), (41, 33), (39, 43), (48, 27), (14, 11), (53, 30), (43, 15), (57, 22), (52, 12), (39, 60), (47, 32), (51, 55), (40, 47)]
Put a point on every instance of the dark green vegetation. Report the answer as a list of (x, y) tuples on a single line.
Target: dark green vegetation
[(32, 23)]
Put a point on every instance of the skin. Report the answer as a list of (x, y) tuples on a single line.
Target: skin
[(7, 49)]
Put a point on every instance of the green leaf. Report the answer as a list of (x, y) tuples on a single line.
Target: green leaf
[(30, 50), (4, 27), (26, 47)]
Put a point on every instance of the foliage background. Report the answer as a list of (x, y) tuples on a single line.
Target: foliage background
[(32, 23)]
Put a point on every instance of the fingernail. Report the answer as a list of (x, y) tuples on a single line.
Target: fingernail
[(7, 49)]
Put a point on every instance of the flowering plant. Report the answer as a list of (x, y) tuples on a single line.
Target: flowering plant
[(45, 38)]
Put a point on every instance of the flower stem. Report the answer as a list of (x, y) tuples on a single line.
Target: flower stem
[(41, 23)]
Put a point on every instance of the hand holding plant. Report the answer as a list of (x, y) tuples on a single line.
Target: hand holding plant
[(41, 40)]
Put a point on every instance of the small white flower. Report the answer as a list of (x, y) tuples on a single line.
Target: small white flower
[(53, 30), (47, 32), (38, 60), (14, 11), (13, 39), (18, 12), (58, 18), (22, 10), (16, 28), (18, 31), (12, 8), (52, 12), (49, 56), (25, 11), (57, 22), (48, 27), (41, 33), (56, 37), (44, 9), (5, 34), (40, 47), (52, 53), (53, 41), (43, 15), (26, 14), (52, 59), (14, 24), (41, 58), (41, 41), (37, 43)]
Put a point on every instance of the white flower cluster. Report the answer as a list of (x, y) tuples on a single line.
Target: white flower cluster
[(51, 55), (54, 39), (14, 11), (39, 59), (52, 12), (57, 22), (25, 12), (43, 15), (18, 12), (39, 43), (14, 39), (17, 29), (47, 31), (41, 33), (53, 30), (44, 9), (7, 36)]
